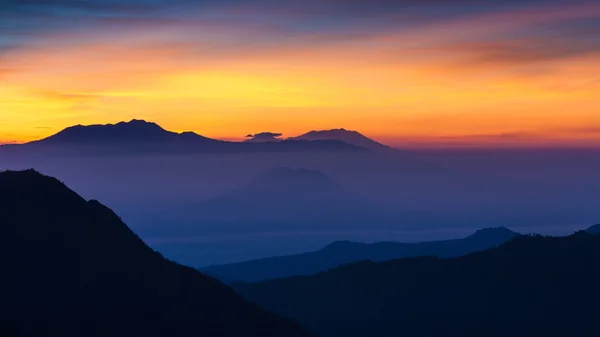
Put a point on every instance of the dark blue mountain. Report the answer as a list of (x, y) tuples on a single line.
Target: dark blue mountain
[(529, 286), (344, 252), (72, 268), (595, 229), (281, 199)]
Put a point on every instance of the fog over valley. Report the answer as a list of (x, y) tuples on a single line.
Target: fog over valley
[(202, 204)]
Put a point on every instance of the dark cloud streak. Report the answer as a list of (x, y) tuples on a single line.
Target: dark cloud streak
[(291, 22)]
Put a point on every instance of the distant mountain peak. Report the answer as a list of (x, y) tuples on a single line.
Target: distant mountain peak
[(134, 123), (347, 136), (494, 232), (283, 197), (136, 130), (140, 123)]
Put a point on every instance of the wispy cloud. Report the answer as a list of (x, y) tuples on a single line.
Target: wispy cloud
[(380, 64), (593, 130)]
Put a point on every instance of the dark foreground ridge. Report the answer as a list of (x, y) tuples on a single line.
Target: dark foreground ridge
[(344, 252), (530, 286), (71, 267)]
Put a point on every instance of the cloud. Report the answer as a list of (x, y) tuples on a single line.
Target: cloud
[(5, 72), (285, 18), (63, 96), (261, 62), (475, 32), (524, 52), (478, 139), (593, 130), (264, 137)]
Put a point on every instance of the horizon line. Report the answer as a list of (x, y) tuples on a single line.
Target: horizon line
[(514, 141)]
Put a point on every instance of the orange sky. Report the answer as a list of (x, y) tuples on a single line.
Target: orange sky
[(447, 82)]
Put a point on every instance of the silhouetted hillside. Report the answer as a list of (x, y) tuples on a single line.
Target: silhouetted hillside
[(347, 136), (343, 252), (595, 229), (530, 286), (71, 267)]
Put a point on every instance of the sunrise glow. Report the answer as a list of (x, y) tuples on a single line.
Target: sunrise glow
[(515, 75)]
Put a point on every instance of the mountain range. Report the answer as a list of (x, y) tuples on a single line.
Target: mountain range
[(138, 130), (72, 268), (344, 252), (142, 136), (529, 286)]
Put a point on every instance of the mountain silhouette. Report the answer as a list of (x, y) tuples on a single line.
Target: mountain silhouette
[(529, 286), (281, 199), (344, 252), (398, 160), (71, 267), (132, 131), (139, 136), (347, 136), (595, 229)]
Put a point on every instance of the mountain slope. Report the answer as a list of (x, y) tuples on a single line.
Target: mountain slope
[(530, 286), (347, 136), (71, 267), (281, 199), (343, 252), (595, 229), (400, 160)]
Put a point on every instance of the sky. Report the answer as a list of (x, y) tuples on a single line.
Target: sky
[(406, 72)]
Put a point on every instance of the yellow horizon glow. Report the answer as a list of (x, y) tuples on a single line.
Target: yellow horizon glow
[(412, 97)]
